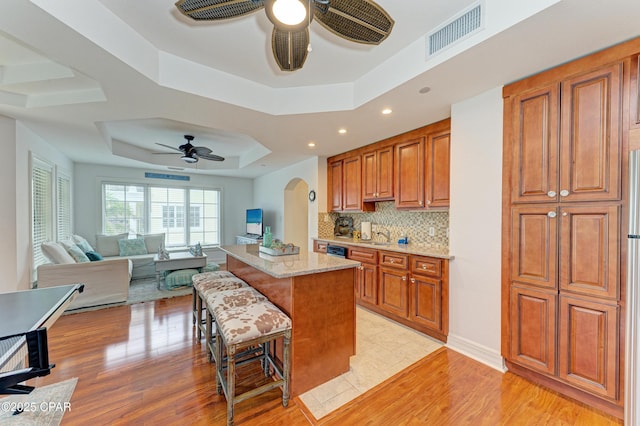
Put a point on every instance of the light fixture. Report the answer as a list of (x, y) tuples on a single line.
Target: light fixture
[(342, 131), (387, 111), (288, 15), (311, 144), (425, 89), (189, 159), (289, 12)]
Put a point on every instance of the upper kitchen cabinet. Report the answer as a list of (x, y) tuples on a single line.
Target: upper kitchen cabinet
[(344, 176), (377, 174), (635, 96), (437, 169), (410, 174), (567, 137)]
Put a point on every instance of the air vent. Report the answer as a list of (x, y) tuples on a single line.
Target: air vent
[(460, 27)]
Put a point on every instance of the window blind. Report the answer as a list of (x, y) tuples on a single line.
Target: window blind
[(42, 213), (63, 211)]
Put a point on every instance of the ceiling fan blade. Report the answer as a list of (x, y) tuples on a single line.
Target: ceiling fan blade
[(213, 10), (362, 21), (167, 146), (211, 157), (290, 48), (201, 150)]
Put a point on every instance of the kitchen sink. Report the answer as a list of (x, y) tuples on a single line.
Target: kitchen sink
[(380, 243)]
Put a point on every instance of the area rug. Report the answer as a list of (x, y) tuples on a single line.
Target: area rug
[(142, 290), (383, 349), (44, 406)]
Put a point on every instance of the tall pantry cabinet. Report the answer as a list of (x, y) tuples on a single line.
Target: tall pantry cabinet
[(564, 226)]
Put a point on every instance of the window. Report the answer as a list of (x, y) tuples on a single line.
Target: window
[(63, 212), (153, 209), (41, 208)]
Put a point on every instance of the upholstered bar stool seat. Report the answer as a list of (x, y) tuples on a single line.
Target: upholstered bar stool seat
[(225, 300), (255, 324), (205, 283)]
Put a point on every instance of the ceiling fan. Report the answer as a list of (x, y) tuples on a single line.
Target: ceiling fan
[(190, 153), (362, 21)]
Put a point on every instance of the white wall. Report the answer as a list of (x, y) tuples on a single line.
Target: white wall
[(475, 227), (237, 196), (269, 193), (9, 207)]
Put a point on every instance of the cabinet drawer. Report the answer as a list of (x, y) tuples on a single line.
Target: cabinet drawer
[(394, 260), (320, 246), (426, 266), (363, 255)]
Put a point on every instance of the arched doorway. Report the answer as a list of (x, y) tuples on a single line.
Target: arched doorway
[(296, 213)]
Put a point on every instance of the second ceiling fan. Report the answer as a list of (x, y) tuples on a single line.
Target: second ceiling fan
[(362, 21), (190, 153)]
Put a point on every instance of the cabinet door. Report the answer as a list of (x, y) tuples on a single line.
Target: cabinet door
[(533, 326), (535, 145), (369, 284), (425, 301), (534, 240), (369, 176), (589, 250), (335, 186), (409, 172), (393, 291), (352, 184), (385, 173), (320, 246), (437, 169), (635, 93), (591, 136), (588, 345)]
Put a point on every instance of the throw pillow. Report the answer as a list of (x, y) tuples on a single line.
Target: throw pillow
[(56, 253), (152, 241), (94, 256), (107, 245), (77, 254), (132, 247), (82, 243)]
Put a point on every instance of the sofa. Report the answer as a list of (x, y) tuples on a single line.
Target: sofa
[(106, 271)]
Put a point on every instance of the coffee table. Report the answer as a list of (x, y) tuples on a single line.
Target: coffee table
[(178, 260)]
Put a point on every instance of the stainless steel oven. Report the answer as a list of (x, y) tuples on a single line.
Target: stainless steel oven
[(336, 251)]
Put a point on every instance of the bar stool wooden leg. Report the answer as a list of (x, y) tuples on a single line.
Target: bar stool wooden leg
[(195, 295), (286, 368), (231, 382), (198, 314), (209, 335)]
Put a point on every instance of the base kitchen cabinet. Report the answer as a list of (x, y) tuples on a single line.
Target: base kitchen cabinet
[(426, 293), (366, 285)]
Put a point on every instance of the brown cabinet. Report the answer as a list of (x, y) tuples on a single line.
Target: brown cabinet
[(393, 294), (437, 169), (366, 285), (426, 293), (377, 175), (567, 139), (589, 345), (562, 282), (409, 171), (533, 328), (345, 184)]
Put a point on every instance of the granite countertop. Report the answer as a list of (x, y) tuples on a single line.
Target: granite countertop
[(292, 265), (417, 249)]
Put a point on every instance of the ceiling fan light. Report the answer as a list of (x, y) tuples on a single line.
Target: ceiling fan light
[(289, 12), (189, 159)]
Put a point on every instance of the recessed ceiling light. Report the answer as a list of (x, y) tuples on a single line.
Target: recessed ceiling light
[(342, 131), (424, 90), (311, 144), (387, 111)]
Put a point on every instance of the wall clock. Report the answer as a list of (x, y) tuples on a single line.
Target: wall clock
[(312, 195)]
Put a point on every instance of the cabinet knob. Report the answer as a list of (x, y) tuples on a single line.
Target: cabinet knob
[(420, 202), (404, 278), (564, 214), (551, 214), (564, 193), (424, 266), (390, 260), (428, 201), (413, 280), (551, 194)]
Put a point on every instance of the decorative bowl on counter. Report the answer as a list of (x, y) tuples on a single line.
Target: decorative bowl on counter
[(280, 250)]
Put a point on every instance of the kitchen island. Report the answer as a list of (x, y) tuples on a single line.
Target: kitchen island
[(316, 291)]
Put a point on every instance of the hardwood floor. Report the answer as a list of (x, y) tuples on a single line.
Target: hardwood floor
[(140, 364)]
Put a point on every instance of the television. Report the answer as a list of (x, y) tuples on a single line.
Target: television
[(254, 222)]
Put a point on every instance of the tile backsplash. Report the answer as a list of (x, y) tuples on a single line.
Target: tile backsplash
[(415, 224)]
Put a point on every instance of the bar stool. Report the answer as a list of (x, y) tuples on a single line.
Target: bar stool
[(256, 324), (225, 300), (206, 282)]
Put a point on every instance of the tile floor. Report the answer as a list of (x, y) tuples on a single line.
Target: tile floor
[(383, 348)]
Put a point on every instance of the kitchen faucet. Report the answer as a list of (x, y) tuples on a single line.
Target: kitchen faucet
[(386, 234)]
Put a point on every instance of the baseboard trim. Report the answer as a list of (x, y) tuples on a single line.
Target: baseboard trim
[(475, 351)]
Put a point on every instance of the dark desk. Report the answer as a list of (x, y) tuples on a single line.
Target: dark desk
[(28, 310)]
